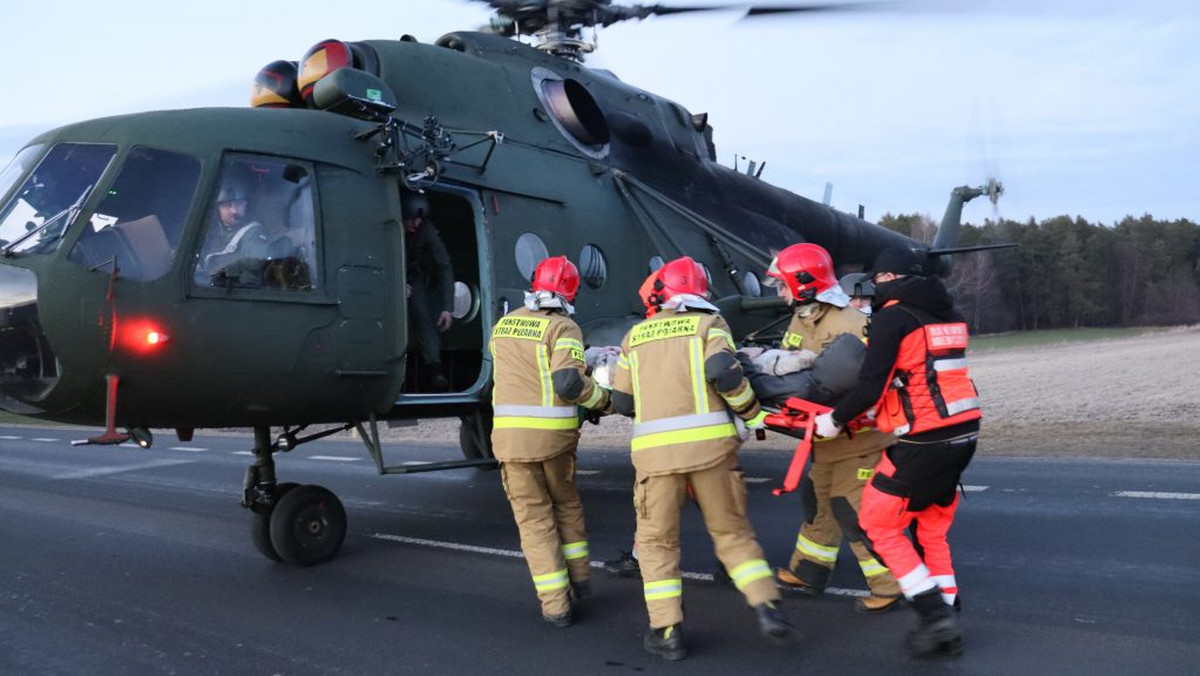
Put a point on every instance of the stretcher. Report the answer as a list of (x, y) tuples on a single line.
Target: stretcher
[(798, 418)]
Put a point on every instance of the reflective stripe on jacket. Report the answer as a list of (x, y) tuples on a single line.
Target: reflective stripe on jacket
[(929, 387), (534, 421), (682, 421)]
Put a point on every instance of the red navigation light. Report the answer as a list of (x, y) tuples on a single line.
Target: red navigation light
[(322, 59), (141, 336), (155, 338)]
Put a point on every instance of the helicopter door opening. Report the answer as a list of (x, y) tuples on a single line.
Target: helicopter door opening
[(445, 328)]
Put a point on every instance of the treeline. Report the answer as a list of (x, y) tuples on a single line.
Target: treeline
[(1070, 273)]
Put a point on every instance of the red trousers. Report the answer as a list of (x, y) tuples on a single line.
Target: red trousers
[(885, 517)]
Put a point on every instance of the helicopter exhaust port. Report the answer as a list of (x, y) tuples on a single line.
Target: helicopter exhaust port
[(573, 111)]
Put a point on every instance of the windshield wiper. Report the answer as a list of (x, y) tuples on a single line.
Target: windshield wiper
[(70, 213)]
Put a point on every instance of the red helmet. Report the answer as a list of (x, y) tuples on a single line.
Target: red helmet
[(806, 269), (320, 60), (557, 275)]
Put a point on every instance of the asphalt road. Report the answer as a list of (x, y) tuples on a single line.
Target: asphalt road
[(118, 560)]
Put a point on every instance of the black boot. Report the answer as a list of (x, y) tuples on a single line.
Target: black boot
[(580, 591), (560, 621), (624, 565), (772, 622), (937, 631), (667, 643)]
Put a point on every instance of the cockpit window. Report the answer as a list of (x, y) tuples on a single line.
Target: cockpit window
[(137, 226), (39, 212), (17, 167), (260, 231)]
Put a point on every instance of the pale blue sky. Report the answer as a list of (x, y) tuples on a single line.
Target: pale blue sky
[(1088, 108)]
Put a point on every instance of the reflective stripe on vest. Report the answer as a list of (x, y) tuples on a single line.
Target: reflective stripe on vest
[(513, 416), (682, 429)]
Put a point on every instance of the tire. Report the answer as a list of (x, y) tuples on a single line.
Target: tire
[(467, 442), (260, 524), (308, 526)]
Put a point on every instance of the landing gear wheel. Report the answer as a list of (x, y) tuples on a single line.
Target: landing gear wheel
[(260, 524), (308, 526)]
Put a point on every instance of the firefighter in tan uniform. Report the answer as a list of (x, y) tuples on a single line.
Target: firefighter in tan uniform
[(539, 377), (832, 488), (679, 379)]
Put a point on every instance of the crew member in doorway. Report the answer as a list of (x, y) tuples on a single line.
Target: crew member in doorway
[(915, 374), (430, 288), (539, 380), (832, 488), (679, 379)]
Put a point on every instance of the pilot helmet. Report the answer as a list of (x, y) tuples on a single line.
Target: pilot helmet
[(230, 193)]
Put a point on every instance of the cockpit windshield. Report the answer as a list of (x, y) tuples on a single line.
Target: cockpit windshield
[(38, 213)]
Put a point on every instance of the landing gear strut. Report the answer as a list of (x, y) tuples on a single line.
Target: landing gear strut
[(300, 525)]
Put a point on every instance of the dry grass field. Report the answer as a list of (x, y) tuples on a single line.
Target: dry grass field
[(1132, 396)]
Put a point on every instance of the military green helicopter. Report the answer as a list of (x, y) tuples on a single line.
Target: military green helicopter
[(123, 304)]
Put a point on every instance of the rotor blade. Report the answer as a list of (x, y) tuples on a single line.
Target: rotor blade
[(969, 249), (770, 10)]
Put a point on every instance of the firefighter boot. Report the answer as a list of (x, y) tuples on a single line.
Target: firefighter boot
[(790, 580), (772, 622), (667, 643), (625, 565), (937, 631), (560, 621), (580, 590)]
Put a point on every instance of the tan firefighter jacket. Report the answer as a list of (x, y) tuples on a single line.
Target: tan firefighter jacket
[(539, 379), (813, 327), (683, 409)]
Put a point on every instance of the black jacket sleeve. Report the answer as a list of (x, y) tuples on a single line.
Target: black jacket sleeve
[(888, 327)]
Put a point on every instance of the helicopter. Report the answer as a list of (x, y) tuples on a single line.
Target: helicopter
[(116, 311)]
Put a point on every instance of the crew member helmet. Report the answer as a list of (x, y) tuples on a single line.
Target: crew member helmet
[(806, 269), (858, 284), (414, 205), (557, 275), (231, 193)]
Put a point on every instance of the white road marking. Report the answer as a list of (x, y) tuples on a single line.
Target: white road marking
[(756, 479), (586, 472), (1157, 495), (242, 453), (43, 439), (515, 554), (974, 489), (334, 458), (10, 437), (189, 449), (414, 463), (118, 469), (129, 444)]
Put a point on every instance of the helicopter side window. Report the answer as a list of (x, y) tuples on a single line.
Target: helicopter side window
[(260, 231), (593, 267), (530, 251), (45, 205), (18, 166), (137, 226)]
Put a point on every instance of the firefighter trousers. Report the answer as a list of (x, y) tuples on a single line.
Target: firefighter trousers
[(549, 517), (832, 494), (721, 494), (885, 517)]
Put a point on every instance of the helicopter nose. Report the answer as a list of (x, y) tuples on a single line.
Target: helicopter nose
[(29, 370)]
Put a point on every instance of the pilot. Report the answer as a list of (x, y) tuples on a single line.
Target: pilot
[(233, 237), (832, 488), (858, 286), (539, 380), (678, 377), (430, 286), (915, 374)]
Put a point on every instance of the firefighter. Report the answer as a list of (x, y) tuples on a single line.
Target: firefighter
[(832, 489), (679, 379), (539, 378), (915, 374)]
